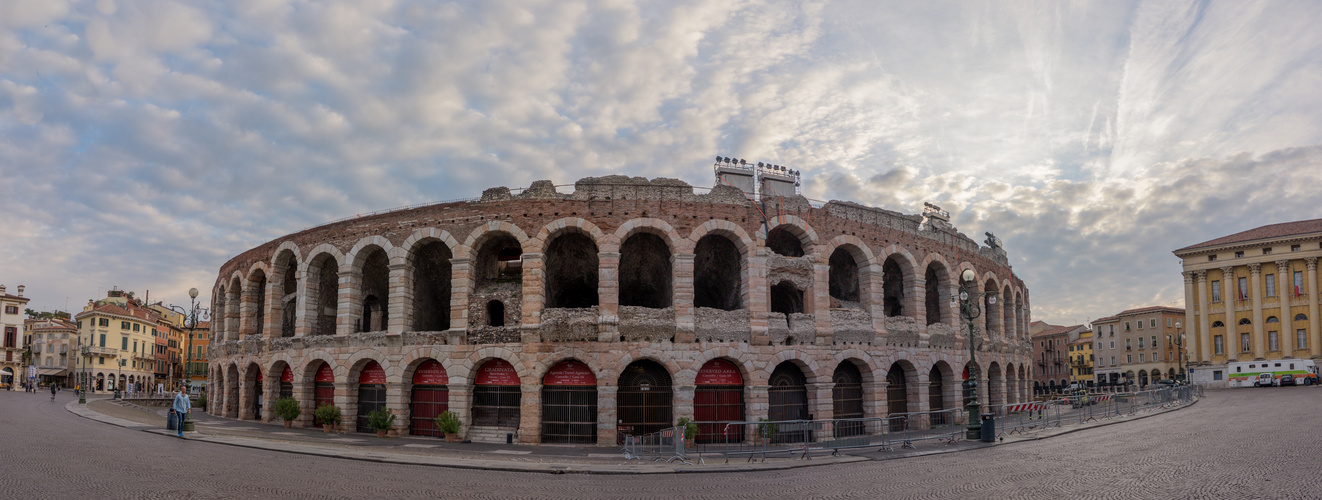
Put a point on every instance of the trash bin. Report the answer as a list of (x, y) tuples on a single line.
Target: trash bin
[(170, 423), (988, 428)]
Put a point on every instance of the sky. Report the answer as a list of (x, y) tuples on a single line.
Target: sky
[(144, 143)]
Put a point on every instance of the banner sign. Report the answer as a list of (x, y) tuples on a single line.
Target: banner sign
[(372, 374), (259, 375), (719, 372), (325, 374), (288, 375), (431, 373), (570, 373), (497, 372)]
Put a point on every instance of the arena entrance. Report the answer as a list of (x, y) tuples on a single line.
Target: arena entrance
[(287, 383), (847, 399), (323, 390), (644, 399), (569, 404), (371, 393), (787, 399), (496, 396), (257, 396), (897, 395), (430, 398), (718, 399)]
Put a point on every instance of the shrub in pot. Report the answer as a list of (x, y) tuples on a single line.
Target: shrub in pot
[(690, 430), (765, 430), (287, 409), (202, 401), (449, 423), (381, 420), (329, 415)]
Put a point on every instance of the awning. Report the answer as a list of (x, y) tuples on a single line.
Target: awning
[(7, 371), (52, 372)]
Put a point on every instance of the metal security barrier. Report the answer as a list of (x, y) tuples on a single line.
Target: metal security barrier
[(664, 445), (761, 439)]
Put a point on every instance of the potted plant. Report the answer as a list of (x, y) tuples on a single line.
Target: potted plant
[(765, 430), (202, 401), (449, 423), (690, 431), (329, 415), (287, 409), (381, 420)]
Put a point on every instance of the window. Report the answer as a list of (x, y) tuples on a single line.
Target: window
[(1301, 339), (11, 309), (104, 322), (1216, 374), (1220, 344), (136, 326), (1294, 248), (103, 340), (1267, 251), (123, 325), (1211, 258), (1239, 254), (124, 343), (80, 324), (102, 360), (1216, 291), (1126, 326), (1243, 289), (1298, 283), (1244, 342), (1129, 358), (1140, 342), (1113, 344), (1153, 323), (1272, 344), (1300, 317), (1168, 322), (1128, 345), (1140, 358), (1112, 329), (1140, 324), (1271, 285), (1154, 341), (1112, 360)]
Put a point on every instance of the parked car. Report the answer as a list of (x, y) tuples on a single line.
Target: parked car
[(1286, 379), (1264, 380)]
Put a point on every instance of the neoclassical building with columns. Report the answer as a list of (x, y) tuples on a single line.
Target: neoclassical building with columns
[(546, 317), (1252, 296)]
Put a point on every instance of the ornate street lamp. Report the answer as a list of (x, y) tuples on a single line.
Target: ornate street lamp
[(191, 317), (970, 308), (1179, 350)]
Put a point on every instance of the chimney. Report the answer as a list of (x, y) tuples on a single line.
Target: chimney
[(20, 290), (2, 289)]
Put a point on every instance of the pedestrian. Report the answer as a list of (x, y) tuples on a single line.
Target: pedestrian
[(53, 390), (181, 407)]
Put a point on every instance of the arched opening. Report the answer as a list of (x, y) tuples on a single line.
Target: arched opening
[(1006, 301), (325, 273), (645, 275), (258, 293), (431, 287), (495, 313), (287, 266), (430, 397), (569, 404), (231, 409), (371, 393), (996, 385), (783, 242), (375, 289), (499, 259), (718, 399), (257, 399), (716, 271), (897, 396), (233, 312), (571, 271), (936, 396), (892, 279), (644, 398), (932, 293), (843, 278), (496, 395), (286, 382), (787, 399), (786, 299), (989, 308), (218, 319), (323, 390), (847, 400)]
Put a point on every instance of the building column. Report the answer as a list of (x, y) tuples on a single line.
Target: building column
[(534, 275), (917, 289), (349, 303), (1314, 336), (681, 264), (1190, 310), (1286, 335), (1255, 295), (608, 293), (872, 295), (1204, 320), (399, 297), (273, 295), (302, 316), (757, 296), (607, 414), (247, 310), (1228, 299), (233, 303), (821, 304)]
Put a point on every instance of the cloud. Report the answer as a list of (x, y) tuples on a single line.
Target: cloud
[(142, 144)]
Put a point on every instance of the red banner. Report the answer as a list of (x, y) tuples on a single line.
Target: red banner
[(570, 373), (431, 373), (259, 375), (372, 374), (497, 372), (325, 374), (719, 372), (288, 375)]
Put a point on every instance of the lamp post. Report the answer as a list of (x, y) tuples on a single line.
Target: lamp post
[(1179, 349), (191, 317), (970, 309)]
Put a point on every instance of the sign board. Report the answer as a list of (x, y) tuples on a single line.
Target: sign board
[(431, 373), (497, 372), (325, 374), (372, 374), (287, 375), (719, 372), (570, 373)]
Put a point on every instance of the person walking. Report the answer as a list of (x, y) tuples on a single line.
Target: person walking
[(53, 390), (181, 407)]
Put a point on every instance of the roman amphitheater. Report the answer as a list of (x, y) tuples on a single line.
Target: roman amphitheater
[(542, 316)]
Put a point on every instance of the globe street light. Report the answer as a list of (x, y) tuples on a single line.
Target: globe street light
[(191, 317), (970, 309), (1179, 349)]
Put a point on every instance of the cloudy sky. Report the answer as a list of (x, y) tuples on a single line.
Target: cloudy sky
[(143, 143)]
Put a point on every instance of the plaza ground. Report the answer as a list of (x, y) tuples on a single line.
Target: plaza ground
[(1245, 443)]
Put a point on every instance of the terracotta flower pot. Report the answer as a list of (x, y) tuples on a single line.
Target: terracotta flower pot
[(381, 434), (327, 427), (288, 424), (451, 438)]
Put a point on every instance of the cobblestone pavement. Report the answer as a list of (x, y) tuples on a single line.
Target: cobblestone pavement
[(1243, 443)]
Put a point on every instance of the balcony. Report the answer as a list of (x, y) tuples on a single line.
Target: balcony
[(99, 351)]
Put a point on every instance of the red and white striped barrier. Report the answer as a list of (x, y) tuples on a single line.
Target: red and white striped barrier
[(1025, 407), (1100, 398)]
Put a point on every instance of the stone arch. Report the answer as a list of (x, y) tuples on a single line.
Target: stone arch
[(649, 225), (568, 224), (570, 264), (485, 354), (995, 384), (806, 238), (992, 312), (902, 386), (254, 292), (231, 409), (285, 285), (806, 363), (1011, 383), (428, 254), (898, 274), (234, 299), (482, 233), (538, 372), (1008, 320), (322, 288), (369, 294), (938, 281), (865, 362), (719, 283), (611, 373), (646, 265)]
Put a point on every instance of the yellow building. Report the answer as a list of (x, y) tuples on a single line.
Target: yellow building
[(116, 343), (12, 342), (1252, 296), (1081, 359)]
